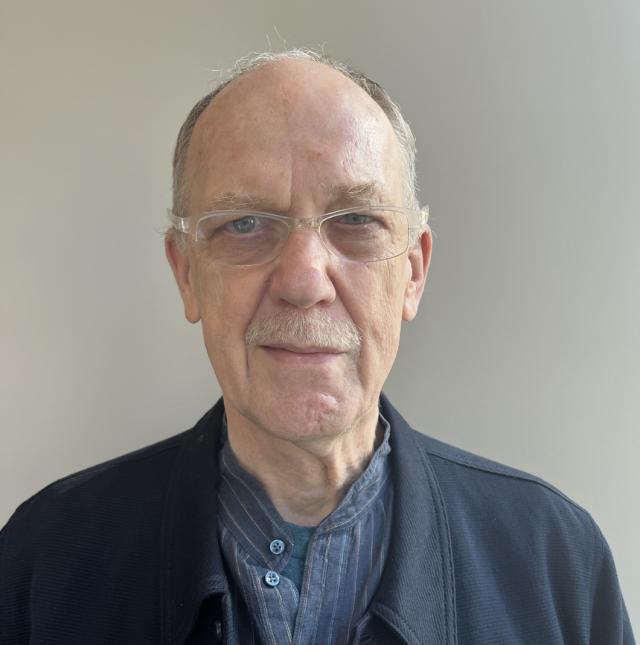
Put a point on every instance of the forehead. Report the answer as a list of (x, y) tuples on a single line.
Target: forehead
[(289, 132)]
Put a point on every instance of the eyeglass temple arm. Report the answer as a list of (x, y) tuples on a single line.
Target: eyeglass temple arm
[(179, 223), (422, 219)]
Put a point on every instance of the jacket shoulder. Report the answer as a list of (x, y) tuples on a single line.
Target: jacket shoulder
[(519, 542), (138, 464), (89, 504), (460, 463), (101, 529)]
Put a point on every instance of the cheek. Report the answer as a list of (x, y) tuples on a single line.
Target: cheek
[(228, 301), (209, 286), (222, 317), (377, 298), (391, 295)]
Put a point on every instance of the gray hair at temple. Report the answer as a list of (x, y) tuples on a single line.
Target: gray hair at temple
[(253, 61)]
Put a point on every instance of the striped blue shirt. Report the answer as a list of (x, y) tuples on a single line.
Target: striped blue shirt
[(342, 568)]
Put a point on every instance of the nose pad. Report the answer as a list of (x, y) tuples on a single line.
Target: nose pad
[(302, 223), (306, 223)]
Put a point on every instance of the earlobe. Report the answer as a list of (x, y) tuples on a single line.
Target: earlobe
[(419, 258), (181, 265)]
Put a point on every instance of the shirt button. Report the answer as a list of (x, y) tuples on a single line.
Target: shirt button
[(276, 547), (272, 578)]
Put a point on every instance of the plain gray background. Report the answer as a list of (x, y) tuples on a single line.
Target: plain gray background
[(526, 113)]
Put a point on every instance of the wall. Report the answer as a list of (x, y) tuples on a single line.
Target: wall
[(526, 349)]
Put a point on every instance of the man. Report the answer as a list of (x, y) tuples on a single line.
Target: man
[(301, 508)]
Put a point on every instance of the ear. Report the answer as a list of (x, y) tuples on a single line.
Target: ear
[(183, 269), (419, 258)]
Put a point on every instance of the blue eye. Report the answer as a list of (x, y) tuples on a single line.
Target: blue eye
[(247, 224), (353, 219)]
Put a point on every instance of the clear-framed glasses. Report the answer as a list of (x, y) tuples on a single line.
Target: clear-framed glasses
[(250, 238)]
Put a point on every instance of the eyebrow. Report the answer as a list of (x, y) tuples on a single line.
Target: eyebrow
[(230, 200), (359, 192), (367, 191)]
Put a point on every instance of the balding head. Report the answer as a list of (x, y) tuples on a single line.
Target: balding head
[(309, 70), (287, 131)]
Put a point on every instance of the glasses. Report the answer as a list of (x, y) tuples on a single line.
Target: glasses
[(250, 238)]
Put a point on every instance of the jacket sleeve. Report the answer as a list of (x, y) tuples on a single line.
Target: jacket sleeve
[(609, 619), (7, 634), (4, 592), (15, 583)]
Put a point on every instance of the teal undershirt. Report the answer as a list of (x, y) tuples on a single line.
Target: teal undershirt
[(295, 567)]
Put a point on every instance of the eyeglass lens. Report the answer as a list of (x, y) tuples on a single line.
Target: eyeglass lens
[(244, 238)]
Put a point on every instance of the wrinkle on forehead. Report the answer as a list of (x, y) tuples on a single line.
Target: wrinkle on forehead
[(283, 123), (356, 193)]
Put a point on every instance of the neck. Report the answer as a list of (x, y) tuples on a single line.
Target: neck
[(305, 479)]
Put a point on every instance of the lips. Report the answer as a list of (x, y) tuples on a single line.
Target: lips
[(309, 349), (301, 356)]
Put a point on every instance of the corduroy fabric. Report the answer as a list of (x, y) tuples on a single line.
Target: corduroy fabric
[(127, 553)]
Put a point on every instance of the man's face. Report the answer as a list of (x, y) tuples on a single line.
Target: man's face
[(298, 138)]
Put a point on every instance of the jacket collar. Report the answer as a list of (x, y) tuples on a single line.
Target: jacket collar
[(416, 594)]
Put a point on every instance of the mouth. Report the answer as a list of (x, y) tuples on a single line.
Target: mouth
[(304, 349), (301, 355)]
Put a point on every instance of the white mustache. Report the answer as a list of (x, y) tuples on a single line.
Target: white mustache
[(295, 328)]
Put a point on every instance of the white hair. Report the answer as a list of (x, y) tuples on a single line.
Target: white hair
[(242, 66)]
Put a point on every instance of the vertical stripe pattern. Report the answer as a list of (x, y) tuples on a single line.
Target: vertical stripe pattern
[(343, 566)]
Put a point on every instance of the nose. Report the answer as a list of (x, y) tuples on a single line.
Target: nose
[(301, 273)]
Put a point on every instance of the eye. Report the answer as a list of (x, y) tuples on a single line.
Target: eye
[(354, 219), (243, 225)]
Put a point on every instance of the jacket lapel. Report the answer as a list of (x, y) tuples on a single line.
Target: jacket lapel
[(416, 596), (191, 558)]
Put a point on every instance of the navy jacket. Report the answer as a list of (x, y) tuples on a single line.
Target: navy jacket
[(127, 552)]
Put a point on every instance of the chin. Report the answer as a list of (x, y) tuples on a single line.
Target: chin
[(306, 416)]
